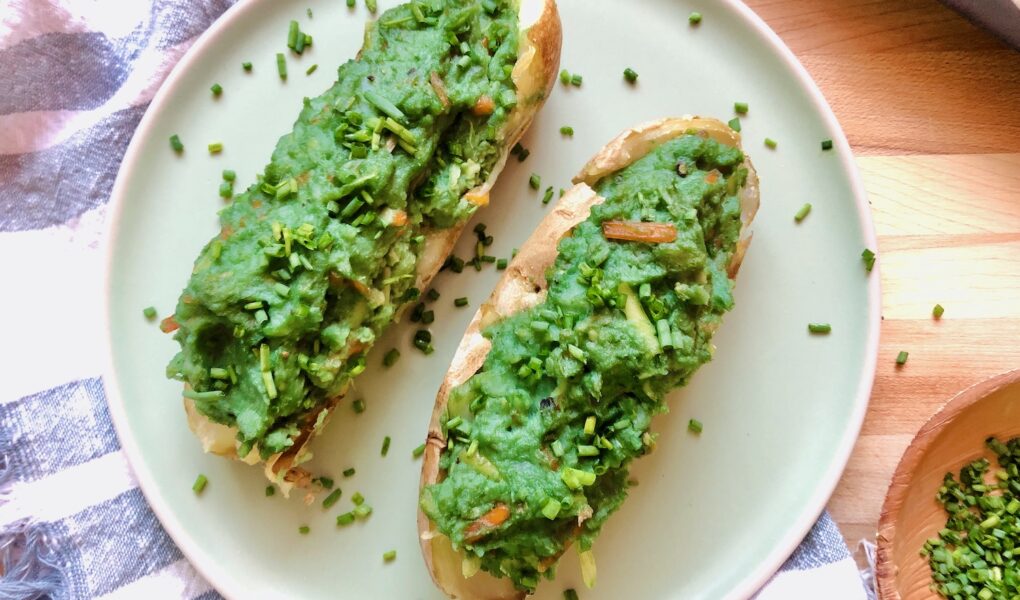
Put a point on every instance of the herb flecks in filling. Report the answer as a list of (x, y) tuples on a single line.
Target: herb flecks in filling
[(314, 260), (540, 440)]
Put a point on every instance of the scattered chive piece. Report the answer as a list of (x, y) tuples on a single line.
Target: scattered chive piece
[(740, 108), (345, 519), (229, 175), (826, 144), (551, 509), (630, 75), (589, 425), (428, 317), (819, 327), (216, 89), (311, 69), (548, 195), (226, 189), (567, 130), (332, 498), (770, 143), (901, 358), (357, 499), (362, 512), (535, 181), (176, 144), (803, 212), (358, 406), (326, 482), (304, 529), (937, 311), (281, 65), (695, 426), (372, 6), (308, 12), (391, 357), (385, 446), (246, 65), (350, 3), (418, 451), (565, 77), (501, 264), (215, 147), (869, 259), (149, 312), (576, 80), (292, 35), (460, 302), (349, 472), (734, 124), (270, 491), (570, 594), (199, 484), (695, 18), (389, 555), (432, 295)]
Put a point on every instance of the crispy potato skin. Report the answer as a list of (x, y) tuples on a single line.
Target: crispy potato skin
[(534, 75), (523, 286)]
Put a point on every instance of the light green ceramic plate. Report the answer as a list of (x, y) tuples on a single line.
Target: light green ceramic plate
[(715, 514)]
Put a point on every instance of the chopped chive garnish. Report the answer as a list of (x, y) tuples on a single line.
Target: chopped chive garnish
[(349, 472), (570, 594), (803, 212), (548, 195), (358, 406), (216, 89), (417, 452), (391, 357), (215, 147), (695, 426), (819, 327), (770, 143), (826, 144), (200, 483), (389, 555), (270, 491), (523, 155), (740, 108), (630, 75), (432, 295), (501, 263), (304, 529), (176, 144), (332, 498), (734, 124), (567, 130), (551, 509), (357, 499), (325, 482), (246, 65), (311, 69), (229, 175), (428, 317), (460, 302), (585, 450), (350, 3), (345, 519), (869, 259), (372, 6), (589, 425), (576, 80), (385, 446), (901, 358), (937, 311), (292, 35), (694, 18), (308, 12), (149, 312), (535, 181), (226, 189), (281, 65), (565, 77)]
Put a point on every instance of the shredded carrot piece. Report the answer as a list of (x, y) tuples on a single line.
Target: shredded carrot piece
[(399, 218), (712, 176), (484, 106), (637, 231), (480, 527), (440, 89), (168, 325)]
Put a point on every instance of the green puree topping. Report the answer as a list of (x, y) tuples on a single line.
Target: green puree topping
[(315, 259), (543, 435)]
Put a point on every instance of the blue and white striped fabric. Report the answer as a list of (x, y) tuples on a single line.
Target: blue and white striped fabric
[(77, 76)]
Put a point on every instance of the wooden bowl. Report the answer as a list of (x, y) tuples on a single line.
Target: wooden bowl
[(951, 439)]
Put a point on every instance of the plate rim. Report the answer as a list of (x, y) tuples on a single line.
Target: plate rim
[(227, 583)]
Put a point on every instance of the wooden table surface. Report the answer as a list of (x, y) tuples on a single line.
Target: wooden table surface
[(931, 106)]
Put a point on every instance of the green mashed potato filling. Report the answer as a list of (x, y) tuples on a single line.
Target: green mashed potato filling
[(315, 259), (542, 437)]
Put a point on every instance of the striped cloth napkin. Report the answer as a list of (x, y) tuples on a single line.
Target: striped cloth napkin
[(77, 76)]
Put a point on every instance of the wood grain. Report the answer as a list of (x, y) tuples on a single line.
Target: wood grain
[(931, 106)]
